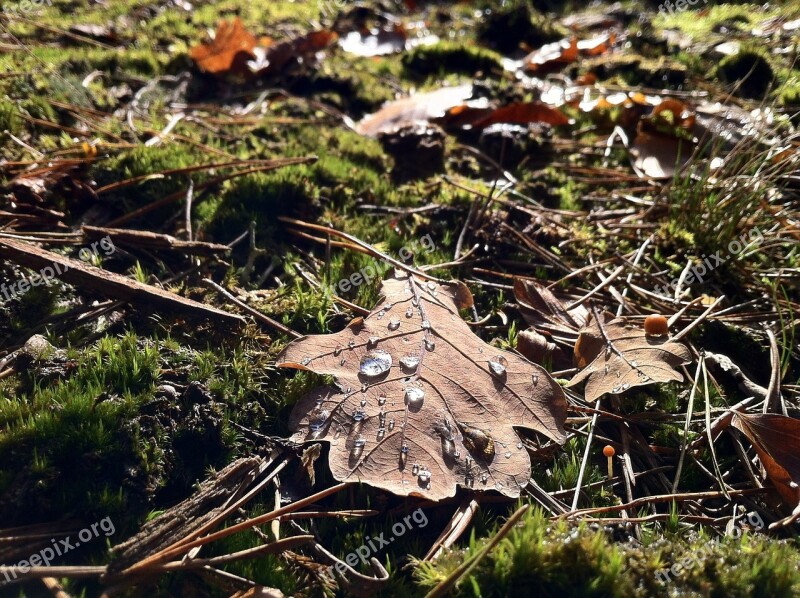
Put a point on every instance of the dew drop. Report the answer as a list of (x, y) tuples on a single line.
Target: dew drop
[(317, 421), (403, 455), (372, 342), (605, 369), (415, 301), (426, 325), (337, 433), (375, 363), (394, 324), (359, 415), (429, 345), (409, 362), (497, 365), (424, 476), (431, 285), (363, 402), (381, 432), (342, 362), (448, 447), (414, 396), (484, 478), (381, 314), (337, 351), (415, 469), (535, 379), (409, 312), (306, 360), (469, 481), (381, 401), (519, 445), (358, 448), (352, 344), (508, 455), (391, 424)]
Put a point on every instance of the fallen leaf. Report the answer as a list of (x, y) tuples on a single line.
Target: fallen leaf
[(542, 309), (375, 42), (417, 109), (776, 439), (521, 113), (664, 140), (422, 404), (597, 45), (550, 321), (551, 57), (274, 57), (659, 156), (229, 51), (235, 51), (620, 356)]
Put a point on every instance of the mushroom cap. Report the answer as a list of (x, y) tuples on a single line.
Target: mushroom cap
[(609, 451), (656, 325)]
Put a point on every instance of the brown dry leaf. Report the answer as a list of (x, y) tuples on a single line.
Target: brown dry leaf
[(597, 45), (542, 309), (376, 42), (228, 52), (658, 156), (776, 439), (550, 320), (663, 143), (521, 113), (423, 404), (620, 356), (551, 57), (270, 58), (419, 108)]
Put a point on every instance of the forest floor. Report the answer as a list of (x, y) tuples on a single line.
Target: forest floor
[(176, 210)]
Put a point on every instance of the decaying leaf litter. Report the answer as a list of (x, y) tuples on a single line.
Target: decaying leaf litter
[(575, 174)]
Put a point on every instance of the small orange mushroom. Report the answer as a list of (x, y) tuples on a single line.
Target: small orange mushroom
[(656, 325), (609, 452)]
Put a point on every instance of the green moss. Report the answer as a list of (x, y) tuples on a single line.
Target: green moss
[(540, 557), (507, 27), (451, 57), (749, 71), (142, 161)]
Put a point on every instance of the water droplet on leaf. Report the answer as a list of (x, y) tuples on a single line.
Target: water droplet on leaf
[(375, 363)]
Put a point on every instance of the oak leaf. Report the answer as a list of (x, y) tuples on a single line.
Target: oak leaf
[(422, 405), (616, 356), (776, 439), (229, 51)]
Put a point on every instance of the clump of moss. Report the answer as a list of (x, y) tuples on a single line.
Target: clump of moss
[(142, 161), (451, 57), (540, 557), (506, 29), (750, 71)]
